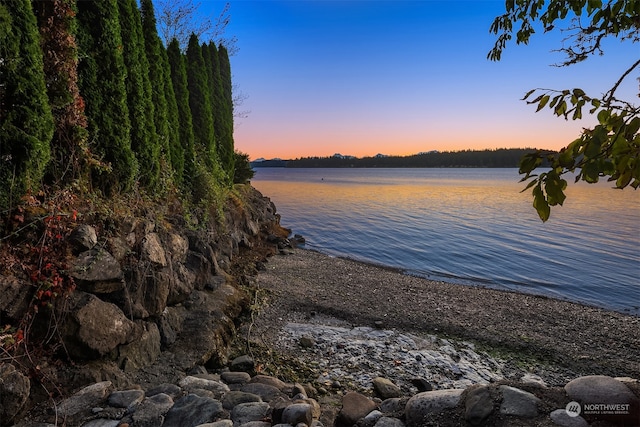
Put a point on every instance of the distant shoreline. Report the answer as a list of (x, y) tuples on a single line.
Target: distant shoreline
[(500, 158)]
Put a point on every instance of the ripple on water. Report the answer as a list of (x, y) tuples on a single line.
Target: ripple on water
[(469, 227)]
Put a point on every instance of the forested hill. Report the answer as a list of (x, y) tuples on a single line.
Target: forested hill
[(501, 158)]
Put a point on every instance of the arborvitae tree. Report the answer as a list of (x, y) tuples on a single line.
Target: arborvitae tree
[(57, 24), (26, 123), (200, 103), (179, 82), (223, 129), (227, 144), (174, 153), (242, 171), (144, 140), (154, 49), (101, 73)]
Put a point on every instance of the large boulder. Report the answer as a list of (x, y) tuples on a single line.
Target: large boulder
[(232, 399), (423, 406), (266, 392), (97, 271), (170, 325), (298, 413), (147, 289), (518, 402), (208, 327), (250, 411), (152, 250), (83, 238), (193, 410), (478, 405), (385, 388), (354, 407), (177, 247), (596, 392), (182, 284), (599, 389), (14, 392), (78, 406), (94, 327), (15, 296), (151, 411), (217, 388), (142, 351)]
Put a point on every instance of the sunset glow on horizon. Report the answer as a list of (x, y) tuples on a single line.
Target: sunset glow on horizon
[(397, 78)]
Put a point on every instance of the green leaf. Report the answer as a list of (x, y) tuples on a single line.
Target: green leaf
[(540, 203), (535, 100), (632, 127), (575, 146), (603, 116), (554, 187), (593, 147), (528, 94), (609, 169), (577, 92), (554, 101), (543, 102), (577, 114), (565, 159), (529, 162), (531, 184), (622, 163), (620, 146), (590, 172), (561, 108), (624, 179)]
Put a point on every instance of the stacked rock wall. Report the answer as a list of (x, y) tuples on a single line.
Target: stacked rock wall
[(147, 287)]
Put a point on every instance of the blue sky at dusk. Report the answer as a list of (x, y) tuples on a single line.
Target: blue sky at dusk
[(398, 77)]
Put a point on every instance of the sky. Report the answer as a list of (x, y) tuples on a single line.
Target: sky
[(397, 78)]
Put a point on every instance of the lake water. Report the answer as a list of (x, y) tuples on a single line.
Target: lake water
[(469, 226)]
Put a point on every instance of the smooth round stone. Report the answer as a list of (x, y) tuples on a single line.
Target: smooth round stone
[(599, 389), (297, 413)]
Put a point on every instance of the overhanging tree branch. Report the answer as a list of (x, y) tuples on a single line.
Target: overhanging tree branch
[(612, 147)]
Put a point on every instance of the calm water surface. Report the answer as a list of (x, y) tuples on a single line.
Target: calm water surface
[(469, 226)]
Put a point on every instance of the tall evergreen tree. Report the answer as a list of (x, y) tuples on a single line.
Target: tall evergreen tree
[(174, 153), (200, 103), (26, 122), (221, 127), (227, 145), (101, 74), (144, 140), (153, 48), (57, 24), (181, 90)]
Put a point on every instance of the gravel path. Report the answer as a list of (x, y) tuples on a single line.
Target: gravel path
[(578, 339)]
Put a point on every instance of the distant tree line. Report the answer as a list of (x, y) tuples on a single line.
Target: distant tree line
[(89, 93), (500, 158)]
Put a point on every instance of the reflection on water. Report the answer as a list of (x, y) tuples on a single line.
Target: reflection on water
[(470, 226)]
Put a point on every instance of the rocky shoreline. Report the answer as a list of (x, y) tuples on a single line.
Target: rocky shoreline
[(324, 342), (235, 398), (354, 375)]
